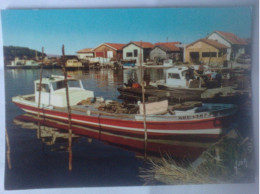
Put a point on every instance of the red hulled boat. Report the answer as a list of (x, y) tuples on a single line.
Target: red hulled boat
[(207, 120)]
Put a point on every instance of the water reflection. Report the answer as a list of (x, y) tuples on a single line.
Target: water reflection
[(153, 74), (47, 134)]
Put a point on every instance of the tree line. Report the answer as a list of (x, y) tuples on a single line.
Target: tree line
[(10, 52)]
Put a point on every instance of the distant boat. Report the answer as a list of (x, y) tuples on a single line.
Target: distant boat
[(73, 64), (168, 63), (23, 64), (128, 64), (206, 121)]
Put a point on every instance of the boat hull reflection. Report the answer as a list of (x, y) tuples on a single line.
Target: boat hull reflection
[(155, 147)]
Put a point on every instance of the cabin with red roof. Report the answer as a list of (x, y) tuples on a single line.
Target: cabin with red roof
[(206, 51), (109, 50), (236, 45), (132, 51), (166, 50)]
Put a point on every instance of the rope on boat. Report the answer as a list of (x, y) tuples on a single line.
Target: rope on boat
[(68, 108)]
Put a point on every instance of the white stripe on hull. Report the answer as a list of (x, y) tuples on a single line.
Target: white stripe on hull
[(215, 131)]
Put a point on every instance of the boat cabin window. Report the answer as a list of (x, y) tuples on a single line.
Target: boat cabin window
[(184, 73), (44, 88), (61, 84), (74, 83), (174, 76), (58, 85)]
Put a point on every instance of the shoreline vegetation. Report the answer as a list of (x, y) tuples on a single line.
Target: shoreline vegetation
[(230, 160)]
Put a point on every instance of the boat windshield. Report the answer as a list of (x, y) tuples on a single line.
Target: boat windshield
[(74, 83), (61, 84), (174, 76), (184, 73)]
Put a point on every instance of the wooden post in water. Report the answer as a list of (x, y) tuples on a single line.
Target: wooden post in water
[(8, 151), (39, 97), (143, 99), (68, 108)]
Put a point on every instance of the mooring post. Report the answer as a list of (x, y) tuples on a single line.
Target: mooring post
[(39, 97), (143, 99), (8, 151), (68, 108)]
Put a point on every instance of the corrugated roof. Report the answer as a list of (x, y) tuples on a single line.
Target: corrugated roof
[(170, 45), (86, 50), (213, 43), (232, 38)]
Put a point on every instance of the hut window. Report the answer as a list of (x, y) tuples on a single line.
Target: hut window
[(135, 53), (44, 88), (209, 54), (220, 54), (129, 54), (173, 76)]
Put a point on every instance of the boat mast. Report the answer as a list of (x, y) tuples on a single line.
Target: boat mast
[(143, 99), (68, 107)]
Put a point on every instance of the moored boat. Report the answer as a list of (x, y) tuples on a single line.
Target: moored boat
[(179, 79), (207, 120), (129, 64), (168, 63)]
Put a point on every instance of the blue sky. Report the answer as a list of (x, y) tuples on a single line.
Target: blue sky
[(87, 28)]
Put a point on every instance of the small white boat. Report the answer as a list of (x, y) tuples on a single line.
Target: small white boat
[(176, 81), (129, 64)]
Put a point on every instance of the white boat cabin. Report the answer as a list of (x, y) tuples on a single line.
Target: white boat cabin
[(168, 63), (176, 77), (53, 91)]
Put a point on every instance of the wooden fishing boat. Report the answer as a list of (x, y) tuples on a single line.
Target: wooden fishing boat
[(209, 120), (176, 81)]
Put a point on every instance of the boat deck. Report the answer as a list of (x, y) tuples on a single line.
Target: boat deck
[(173, 113), (91, 110)]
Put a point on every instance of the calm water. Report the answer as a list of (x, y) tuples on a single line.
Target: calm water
[(37, 164)]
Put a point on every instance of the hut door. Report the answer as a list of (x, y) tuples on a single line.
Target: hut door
[(109, 54), (194, 56)]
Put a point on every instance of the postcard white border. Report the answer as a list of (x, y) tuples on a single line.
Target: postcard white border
[(51, 4)]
